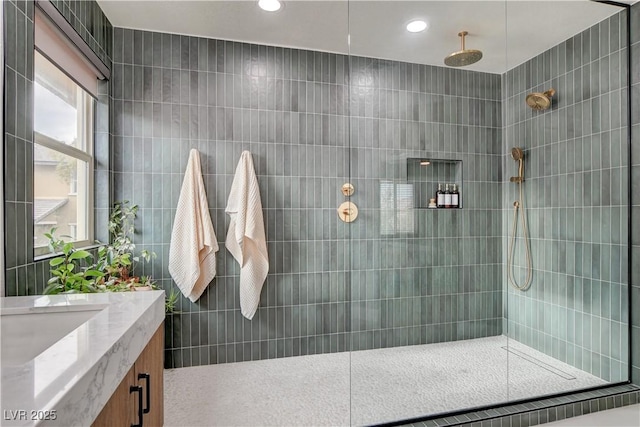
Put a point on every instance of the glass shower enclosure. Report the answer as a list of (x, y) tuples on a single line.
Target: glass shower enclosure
[(436, 325), (442, 236)]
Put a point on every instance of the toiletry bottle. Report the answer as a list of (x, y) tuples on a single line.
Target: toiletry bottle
[(447, 196), (440, 197), (455, 197)]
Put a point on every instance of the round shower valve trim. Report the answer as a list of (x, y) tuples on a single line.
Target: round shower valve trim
[(348, 212), (347, 189)]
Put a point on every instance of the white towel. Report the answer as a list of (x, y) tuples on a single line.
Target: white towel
[(192, 253), (246, 239)]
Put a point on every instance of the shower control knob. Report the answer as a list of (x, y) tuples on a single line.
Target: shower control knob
[(348, 212), (347, 189)]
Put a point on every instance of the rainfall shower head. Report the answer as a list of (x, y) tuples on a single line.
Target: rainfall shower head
[(540, 101), (517, 153), (463, 57)]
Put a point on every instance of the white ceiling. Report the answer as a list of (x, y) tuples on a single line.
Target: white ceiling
[(508, 32)]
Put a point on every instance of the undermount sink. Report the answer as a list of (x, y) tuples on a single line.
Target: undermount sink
[(27, 333)]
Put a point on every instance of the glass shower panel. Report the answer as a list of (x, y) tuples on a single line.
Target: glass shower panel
[(565, 107), (307, 176), (426, 296)]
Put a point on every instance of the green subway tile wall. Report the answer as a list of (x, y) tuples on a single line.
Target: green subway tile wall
[(438, 282), (89, 21), (576, 197), (433, 276), (221, 98)]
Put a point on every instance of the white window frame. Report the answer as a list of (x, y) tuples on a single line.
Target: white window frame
[(73, 186), (86, 124), (73, 229)]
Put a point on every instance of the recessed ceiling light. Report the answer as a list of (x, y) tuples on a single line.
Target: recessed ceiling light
[(269, 5), (416, 26)]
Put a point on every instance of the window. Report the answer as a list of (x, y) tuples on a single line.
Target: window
[(63, 157), (396, 209)]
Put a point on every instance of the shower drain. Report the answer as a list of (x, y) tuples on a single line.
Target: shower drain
[(540, 363)]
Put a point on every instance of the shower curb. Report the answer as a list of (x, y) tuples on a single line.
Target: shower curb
[(541, 411)]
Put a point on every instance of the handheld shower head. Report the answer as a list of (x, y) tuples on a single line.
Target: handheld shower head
[(517, 153)]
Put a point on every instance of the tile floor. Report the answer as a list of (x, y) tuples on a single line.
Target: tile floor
[(365, 387), (628, 416)]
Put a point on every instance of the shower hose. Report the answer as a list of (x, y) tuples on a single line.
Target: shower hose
[(519, 206)]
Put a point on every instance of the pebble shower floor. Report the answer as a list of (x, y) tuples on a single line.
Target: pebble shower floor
[(365, 387)]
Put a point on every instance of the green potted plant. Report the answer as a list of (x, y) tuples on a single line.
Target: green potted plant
[(68, 274), (117, 260), (170, 302), (73, 272)]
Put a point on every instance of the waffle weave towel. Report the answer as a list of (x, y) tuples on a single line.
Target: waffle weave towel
[(192, 252), (246, 238)]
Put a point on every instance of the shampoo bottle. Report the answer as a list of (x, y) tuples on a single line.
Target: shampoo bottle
[(440, 197), (447, 196), (455, 197)]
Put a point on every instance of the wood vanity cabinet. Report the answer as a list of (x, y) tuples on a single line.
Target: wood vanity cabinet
[(122, 408), (143, 382)]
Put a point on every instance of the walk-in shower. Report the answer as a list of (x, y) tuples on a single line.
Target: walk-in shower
[(412, 308)]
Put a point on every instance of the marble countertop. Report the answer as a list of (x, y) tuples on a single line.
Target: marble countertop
[(77, 375)]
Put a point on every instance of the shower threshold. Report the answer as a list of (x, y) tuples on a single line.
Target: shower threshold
[(366, 387)]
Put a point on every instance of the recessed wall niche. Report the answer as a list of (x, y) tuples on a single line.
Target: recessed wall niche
[(425, 174)]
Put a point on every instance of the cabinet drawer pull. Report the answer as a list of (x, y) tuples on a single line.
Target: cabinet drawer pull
[(147, 379), (137, 389)]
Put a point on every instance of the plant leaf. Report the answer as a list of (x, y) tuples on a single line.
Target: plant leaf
[(56, 261), (52, 288), (93, 273), (80, 255)]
